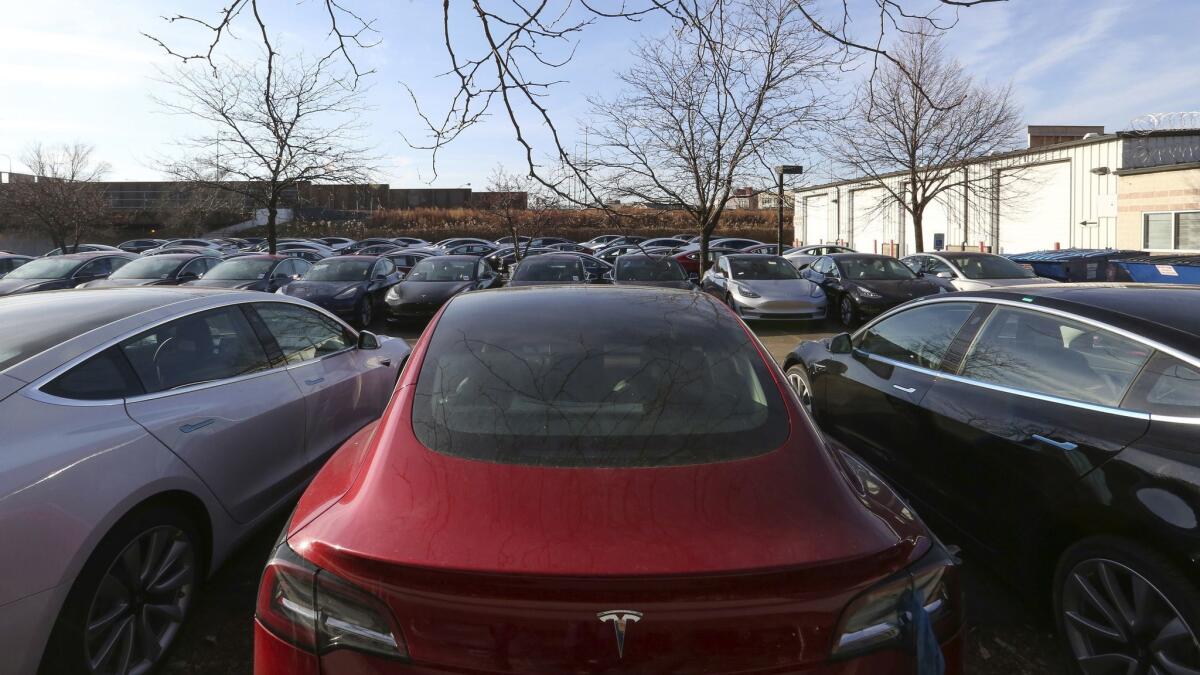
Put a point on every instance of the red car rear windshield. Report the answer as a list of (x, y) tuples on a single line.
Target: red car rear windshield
[(595, 378)]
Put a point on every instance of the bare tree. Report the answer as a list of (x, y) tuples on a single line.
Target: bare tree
[(508, 52), (63, 202), (699, 116), (187, 209), (925, 119), (508, 203), (271, 127)]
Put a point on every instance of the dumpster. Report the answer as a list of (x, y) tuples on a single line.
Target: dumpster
[(1163, 269), (1076, 264)]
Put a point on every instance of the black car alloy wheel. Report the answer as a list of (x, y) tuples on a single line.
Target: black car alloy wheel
[(797, 377), (366, 313), (1115, 620), (140, 603), (848, 312)]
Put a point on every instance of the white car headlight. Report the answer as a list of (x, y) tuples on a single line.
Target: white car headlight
[(866, 292), (392, 294), (745, 292), (348, 293)]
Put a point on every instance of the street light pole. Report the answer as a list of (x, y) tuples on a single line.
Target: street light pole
[(780, 172)]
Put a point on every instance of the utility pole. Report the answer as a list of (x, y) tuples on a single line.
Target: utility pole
[(780, 172)]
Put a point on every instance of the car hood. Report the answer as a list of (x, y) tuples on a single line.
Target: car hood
[(898, 290), (533, 282), (225, 283), (778, 288), (429, 291), (116, 283), (405, 505), (13, 286), (318, 290), (682, 285)]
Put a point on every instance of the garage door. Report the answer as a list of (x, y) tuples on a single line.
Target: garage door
[(816, 220), (1035, 208)]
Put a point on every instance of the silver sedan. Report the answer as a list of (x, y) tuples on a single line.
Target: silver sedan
[(760, 286), (971, 270), (147, 431)]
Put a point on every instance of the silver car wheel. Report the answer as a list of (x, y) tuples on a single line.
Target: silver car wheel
[(1116, 621), (367, 313), (140, 603), (799, 382)]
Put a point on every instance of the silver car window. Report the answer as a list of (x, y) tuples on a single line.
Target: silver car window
[(302, 334), (214, 345)]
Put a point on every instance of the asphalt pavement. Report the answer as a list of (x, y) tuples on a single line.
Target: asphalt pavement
[(1004, 636)]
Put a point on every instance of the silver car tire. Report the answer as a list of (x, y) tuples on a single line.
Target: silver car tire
[(366, 313), (847, 312), (801, 383), (135, 592), (1122, 607)]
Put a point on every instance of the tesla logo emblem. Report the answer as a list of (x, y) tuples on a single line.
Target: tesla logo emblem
[(620, 619)]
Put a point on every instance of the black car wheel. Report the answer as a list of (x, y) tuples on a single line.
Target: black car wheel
[(848, 312), (129, 602), (1122, 609), (797, 377), (366, 312)]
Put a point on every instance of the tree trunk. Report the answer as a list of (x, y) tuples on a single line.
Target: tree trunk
[(918, 216), (705, 236), (512, 231), (272, 213)]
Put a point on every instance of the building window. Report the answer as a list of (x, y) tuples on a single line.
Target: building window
[(1187, 230), (1157, 231)]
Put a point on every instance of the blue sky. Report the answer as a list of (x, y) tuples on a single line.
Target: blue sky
[(80, 70)]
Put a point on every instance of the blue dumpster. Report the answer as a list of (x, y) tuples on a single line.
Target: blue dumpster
[(1163, 269), (1075, 264)]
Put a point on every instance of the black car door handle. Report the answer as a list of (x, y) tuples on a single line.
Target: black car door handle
[(189, 428), (1061, 445)]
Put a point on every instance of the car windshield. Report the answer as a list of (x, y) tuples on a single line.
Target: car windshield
[(442, 270), (148, 268), (45, 268), (879, 269), (989, 267), (610, 380), (764, 268), (643, 268), (339, 270), (240, 269), (550, 269)]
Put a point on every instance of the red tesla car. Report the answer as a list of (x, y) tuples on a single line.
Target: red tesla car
[(592, 479)]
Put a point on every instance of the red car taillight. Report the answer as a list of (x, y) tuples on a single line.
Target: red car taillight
[(316, 611), (881, 616)]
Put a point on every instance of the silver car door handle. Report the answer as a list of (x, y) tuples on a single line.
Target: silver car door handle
[(1061, 445), (907, 390), (385, 362), (313, 381), (189, 428)]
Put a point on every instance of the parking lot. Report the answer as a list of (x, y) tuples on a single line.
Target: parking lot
[(1004, 635)]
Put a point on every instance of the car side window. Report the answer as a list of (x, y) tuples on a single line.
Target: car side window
[(196, 267), (1166, 386), (1047, 354), (300, 267), (105, 376), (93, 268), (214, 345), (915, 263), (920, 336), (302, 334), (284, 269), (937, 266)]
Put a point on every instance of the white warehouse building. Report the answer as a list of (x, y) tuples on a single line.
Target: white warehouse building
[(1060, 192)]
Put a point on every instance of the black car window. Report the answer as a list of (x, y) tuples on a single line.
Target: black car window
[(988, 267), (301, 333), (1047, 354), (339, 270), (196, 267), (433, 269), (1166, 386), (285, 269), (659, 380), (213, 345), (874, 269), (98, 267), (919, 336), (564, 270), (645, 268), (240, 269), (103, 377)]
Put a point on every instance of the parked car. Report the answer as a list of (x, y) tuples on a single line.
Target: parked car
[(734, 537), (689, 258), (309, 255), (972, 271), (663, 242), (547, 242), (435, 280), (81, 248), (638, 269), (501, 260), (806, 255), (352, 287), (404, 259), (598, 270), (140, 245), (595, 243), (359, 245), (62, 271), (379, 249), (758, 286), (609, 254), (11, 261), (1052, 428), (324, 250), (335, 243), (571, 248), (410, 241), (768, 249), (157, 270), (256, 272), (547, 269), (458, 241), (146, 433), (220, 246), (862, 285), (471, 248), (186, 250), (734, 242)]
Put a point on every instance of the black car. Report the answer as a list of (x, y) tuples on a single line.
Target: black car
[(637, 269), (351, 286), (140, 245), (81, 248), (549, 268), (501, 259), (433, 281), (547, 242), (158, 270), (471, 248), (11, 261), (62, 271), (610, 253), (255, 272), (862, 285), (404, 258), (1053, 429), (598, 270)]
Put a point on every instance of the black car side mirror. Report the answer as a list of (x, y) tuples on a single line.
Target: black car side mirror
[(368, 340), (841, 344)]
